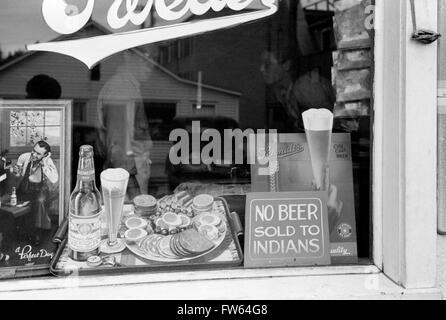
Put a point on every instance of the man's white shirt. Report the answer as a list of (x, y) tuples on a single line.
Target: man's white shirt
[(49, 170)]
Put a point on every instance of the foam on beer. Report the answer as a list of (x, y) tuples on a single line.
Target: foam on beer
[(110, 177), (318, 120)]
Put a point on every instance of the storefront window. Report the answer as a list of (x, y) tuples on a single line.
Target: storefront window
[(135, 106)]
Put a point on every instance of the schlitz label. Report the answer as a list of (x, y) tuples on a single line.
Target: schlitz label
[(85, 232)]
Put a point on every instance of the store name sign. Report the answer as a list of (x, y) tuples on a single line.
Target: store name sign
[(286, 229), (67, 19)]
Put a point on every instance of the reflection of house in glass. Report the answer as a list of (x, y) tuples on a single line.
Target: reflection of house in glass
[(232, 58), (164, 94)]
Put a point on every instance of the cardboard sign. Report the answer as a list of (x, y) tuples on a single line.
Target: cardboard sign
[(295, 175), (286, 229)]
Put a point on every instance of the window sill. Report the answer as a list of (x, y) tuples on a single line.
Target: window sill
[(349, 282)]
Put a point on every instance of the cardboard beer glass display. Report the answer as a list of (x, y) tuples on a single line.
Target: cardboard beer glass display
[(318, 129), (318, 160)]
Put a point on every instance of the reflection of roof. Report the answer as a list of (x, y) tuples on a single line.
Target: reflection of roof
[(91, 23), (137, 51)]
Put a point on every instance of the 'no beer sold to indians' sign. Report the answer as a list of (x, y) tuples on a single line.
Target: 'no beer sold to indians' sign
[(287, 229)]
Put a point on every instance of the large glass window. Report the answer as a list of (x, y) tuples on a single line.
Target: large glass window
[(136, 106)]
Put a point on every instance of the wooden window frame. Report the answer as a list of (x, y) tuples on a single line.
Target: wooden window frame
[(405, 148)]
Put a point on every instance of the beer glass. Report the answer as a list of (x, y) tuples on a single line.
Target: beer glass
[(318, 125), (114, 187), (16, 169)]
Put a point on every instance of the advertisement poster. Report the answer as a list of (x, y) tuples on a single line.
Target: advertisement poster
[(295, 174), (35, 144)]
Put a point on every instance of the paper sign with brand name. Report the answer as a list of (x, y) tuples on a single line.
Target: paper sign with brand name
[(286, 229), (295, 174)]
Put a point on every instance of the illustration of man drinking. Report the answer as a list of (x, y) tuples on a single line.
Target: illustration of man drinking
[(38, 172)]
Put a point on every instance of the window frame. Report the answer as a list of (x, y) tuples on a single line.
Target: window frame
[(405, 183), (404, 187)]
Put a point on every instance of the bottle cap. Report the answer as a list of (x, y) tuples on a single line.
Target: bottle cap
[(94, 261)]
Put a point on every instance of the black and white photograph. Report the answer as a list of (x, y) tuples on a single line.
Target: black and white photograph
[(223, 150), (34, 164)]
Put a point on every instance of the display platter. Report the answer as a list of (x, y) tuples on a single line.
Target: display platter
[(205, 239), (179, 246)]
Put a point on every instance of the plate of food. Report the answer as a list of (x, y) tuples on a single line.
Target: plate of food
[(177, 233)]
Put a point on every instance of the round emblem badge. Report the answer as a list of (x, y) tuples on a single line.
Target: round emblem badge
[(345, 230), (85, 229)]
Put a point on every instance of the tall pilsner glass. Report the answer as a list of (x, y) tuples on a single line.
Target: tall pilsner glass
[(318, 128), (114, 187)]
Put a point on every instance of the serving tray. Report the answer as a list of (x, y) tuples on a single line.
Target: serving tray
[(227, 252)]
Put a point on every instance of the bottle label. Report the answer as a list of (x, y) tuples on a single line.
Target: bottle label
[(85, 175), (84, 233)]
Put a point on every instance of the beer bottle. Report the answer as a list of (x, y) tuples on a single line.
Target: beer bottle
[(84, 228), (14, 198)]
